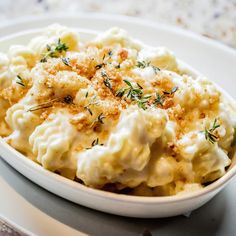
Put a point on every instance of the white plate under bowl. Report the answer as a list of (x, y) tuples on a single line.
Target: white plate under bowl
[(212, 59)]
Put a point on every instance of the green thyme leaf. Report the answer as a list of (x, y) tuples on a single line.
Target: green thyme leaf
[(173, 90), (54, 50), (156, 69), (20, 81), (120, 93), (107, 80), (212, 138), (143, 64), (159, 100), (107, 83), (89, 110), (87, 107), (95, 142), (100, 118), (215, 125), (60, 47), (142, 102), (128, 83), (66, 61), (135, 94)]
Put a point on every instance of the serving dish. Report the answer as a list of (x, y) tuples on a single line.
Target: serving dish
[(104, 201)]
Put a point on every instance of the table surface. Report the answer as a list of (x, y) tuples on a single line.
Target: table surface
[(66, 218), (212, 18)]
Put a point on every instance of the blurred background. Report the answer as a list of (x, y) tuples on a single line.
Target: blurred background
[(213, 18)]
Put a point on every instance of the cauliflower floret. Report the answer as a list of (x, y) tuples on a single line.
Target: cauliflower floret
[(160, 57), (51, 36), (21, 58), (161, 172), (22, 123), (208, 160), (51, 142), (128, 148), (226, 131), (198, 92), (116, 36)]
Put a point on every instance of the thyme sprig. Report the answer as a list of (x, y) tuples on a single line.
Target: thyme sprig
[(209, 133), (93, 102), (121, 92), (143, 64), (54, 50), (89, 110), (100, 118), (130, 91), (94, 143), (20, 80), (107, 80), (142, 102), (134, 93), (159, 100), (68, 99), (99, 66), (43, 105), (156, 69)]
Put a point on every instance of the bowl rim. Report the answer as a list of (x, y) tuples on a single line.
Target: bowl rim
[(4, 147), (121, 18)]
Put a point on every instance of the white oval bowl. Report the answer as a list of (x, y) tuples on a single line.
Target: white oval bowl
[(120, 204)]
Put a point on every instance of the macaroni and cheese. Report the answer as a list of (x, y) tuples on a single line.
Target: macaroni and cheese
[(114, 114)]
